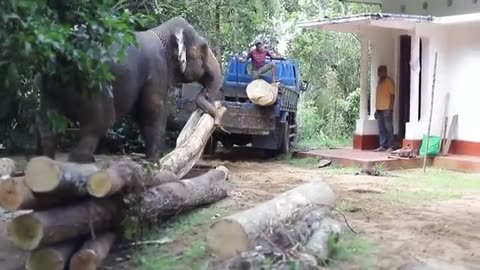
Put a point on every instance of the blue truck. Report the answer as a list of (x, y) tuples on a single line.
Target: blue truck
[(272, 128)]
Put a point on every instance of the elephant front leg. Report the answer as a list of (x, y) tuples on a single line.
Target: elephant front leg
[(154, 133)]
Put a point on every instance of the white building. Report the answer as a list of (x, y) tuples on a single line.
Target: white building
[(405, 37)]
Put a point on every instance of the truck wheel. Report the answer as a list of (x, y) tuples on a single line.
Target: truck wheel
[(211, 146), (285, 145)]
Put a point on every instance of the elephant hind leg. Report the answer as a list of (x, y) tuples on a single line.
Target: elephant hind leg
[(99, 116), (47, 140)]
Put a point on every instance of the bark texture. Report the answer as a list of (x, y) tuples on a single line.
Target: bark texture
[(174, 197)]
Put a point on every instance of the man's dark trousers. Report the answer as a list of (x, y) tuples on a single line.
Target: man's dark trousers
[(385, 128)]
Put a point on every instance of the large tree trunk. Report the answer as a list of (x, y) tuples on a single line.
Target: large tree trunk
[(15, 195), (282, 239), (38, 229), (174, 197), (92, 253), (189, 127), (195, 137), (238, 232), (66, 179), (51, 258), (120, 175)]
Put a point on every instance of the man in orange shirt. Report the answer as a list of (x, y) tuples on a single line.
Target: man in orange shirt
[(384, 110)]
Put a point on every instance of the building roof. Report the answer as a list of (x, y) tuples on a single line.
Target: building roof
[(353, 23)]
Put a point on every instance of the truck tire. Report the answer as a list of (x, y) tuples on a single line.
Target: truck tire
[(285, 145), (211, 146)]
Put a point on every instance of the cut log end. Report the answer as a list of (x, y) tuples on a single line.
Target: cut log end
[(42, 174), (227, 238), (44, 259), (25, 232), (52, 258), (99, 184), (85, 259), (14, 194)]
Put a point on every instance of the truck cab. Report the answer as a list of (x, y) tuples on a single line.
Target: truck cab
[(272, 128)]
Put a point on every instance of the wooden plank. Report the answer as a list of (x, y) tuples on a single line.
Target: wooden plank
[(444, 121), (451, 131)]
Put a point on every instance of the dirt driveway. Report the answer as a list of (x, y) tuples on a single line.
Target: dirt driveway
[(407, 217)]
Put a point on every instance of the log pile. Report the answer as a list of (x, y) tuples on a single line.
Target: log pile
[(76, 209), (297, 225)]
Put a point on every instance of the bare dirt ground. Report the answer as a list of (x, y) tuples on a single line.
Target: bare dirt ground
[(413, 219)]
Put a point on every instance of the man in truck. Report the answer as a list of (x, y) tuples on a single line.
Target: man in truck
[(258, 56)]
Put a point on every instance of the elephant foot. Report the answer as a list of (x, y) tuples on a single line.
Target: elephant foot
[(81, 157)]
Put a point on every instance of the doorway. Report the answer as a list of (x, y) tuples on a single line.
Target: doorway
[(404, 84)]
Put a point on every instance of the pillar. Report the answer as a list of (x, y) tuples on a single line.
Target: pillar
[(414, 78), (364, 79)]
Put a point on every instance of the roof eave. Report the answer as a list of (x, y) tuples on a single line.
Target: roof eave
[(365, 18)]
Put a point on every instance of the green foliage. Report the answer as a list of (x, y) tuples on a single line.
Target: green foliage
[(330, 62), (69, 39)]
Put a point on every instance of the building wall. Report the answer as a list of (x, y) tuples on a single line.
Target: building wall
[(431, 7), (457, 74)]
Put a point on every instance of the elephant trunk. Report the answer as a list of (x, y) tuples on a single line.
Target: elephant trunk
[(206, 106)]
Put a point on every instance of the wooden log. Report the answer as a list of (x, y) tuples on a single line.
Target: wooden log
[(185, 155), (286, 236), (52, 258), (189, 127), (162, 177), (283, 239), (7, 167), (318, 244), (122, 175), (38, 229), (92, 253), (174, 197), (67, 179), (15, 195), (237, 233)]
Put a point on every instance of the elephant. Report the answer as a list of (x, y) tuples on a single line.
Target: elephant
[(168, 54)]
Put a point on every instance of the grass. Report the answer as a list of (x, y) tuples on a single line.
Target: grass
[(435, 185), (187, 250), (323, 143), (352, 247)]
